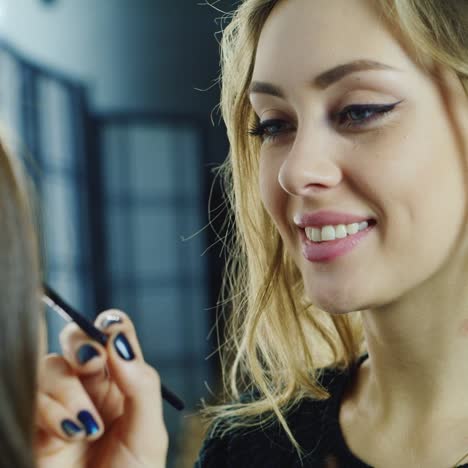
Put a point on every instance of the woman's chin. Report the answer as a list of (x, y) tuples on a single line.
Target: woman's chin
[(336, 309), (337, 303)]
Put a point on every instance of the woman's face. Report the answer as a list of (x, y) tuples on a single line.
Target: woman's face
[(400, 165)]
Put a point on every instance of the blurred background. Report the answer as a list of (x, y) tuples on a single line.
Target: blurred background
[(111, 104)]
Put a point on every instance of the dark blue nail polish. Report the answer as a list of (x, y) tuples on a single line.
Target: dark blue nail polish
[(70, 428), (88, 422), (123, 347), (86, 353)]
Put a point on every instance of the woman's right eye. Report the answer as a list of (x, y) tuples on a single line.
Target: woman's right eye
[(270, 129)]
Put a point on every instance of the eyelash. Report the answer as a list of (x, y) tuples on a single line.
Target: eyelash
[(260, 129)]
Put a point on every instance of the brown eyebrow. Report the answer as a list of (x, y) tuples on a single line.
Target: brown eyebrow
[(325, 79)]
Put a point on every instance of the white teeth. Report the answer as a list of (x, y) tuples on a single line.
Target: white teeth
[(340, 231), (313, 233), (352, 228), (328, 233)]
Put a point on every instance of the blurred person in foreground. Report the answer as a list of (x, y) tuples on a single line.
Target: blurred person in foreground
[(92, 407)]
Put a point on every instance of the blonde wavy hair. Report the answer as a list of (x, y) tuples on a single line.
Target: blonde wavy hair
[(263, 295)]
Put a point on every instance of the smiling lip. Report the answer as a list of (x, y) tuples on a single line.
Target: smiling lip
[(327, 218), (329, 250)]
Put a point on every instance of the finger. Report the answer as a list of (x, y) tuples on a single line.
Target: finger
[(58, 381), (124, 347), (85, 356), (88, 360), (113, 321), (138, 382), (54, 419)]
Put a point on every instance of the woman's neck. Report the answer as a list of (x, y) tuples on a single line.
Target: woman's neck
[(409, 398), (418, 355)]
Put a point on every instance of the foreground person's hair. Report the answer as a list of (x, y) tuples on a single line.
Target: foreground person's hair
[(19, 318), (263, 288)]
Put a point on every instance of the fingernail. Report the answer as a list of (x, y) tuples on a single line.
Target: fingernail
[(90, 424), (85, 353), (123, 347), (110, 320), (70, 428)]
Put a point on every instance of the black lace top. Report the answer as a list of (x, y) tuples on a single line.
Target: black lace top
[(314, 424)]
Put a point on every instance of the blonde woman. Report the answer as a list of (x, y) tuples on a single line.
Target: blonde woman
[(348, 339)]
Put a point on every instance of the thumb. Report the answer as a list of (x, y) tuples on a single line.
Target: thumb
[(142, 424)]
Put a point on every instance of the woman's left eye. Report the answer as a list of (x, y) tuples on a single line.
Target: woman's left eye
[(358, 115)]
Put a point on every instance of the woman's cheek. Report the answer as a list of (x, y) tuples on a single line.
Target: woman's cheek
[(272, 195)]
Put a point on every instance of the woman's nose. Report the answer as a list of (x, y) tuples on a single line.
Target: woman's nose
[(304, 171)]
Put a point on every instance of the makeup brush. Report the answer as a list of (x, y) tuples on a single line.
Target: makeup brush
[(55, 302)]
